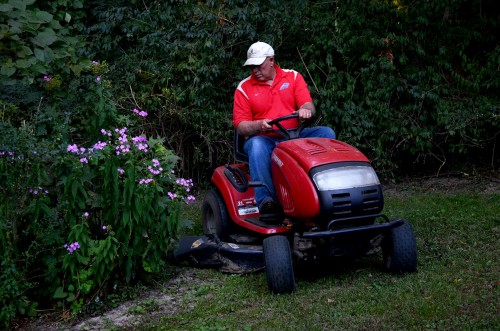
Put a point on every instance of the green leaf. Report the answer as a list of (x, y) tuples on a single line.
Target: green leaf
[(71, 297), (19, 4), (40, 54), (24, 51), (60, 294), (43, 16), (7, 71), (67, 18), (45, 38), (5, 7)]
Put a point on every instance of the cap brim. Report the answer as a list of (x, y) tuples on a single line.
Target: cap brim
[(255, 61)]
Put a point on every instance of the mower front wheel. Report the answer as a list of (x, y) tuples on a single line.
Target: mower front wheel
[(400, 249), (279, 265), (214, 215)]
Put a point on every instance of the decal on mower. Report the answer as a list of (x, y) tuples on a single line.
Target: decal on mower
[(233, 246), (247, 210), (197, 243), (247, 207)]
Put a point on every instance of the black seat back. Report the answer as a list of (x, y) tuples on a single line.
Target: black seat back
[(239, 152)]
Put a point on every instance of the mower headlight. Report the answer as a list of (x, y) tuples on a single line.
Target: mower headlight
[(345, 177)]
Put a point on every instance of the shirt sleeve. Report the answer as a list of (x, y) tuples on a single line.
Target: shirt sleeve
[(241, 107), (302, 94)]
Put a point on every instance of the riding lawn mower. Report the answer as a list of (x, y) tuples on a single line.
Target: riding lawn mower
[(331, 201)]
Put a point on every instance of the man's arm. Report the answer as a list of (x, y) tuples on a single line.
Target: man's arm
[(249, 128)]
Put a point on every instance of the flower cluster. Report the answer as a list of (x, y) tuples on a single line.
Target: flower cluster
[(127, 144), (72, 247), (140, 112), (38, 190), (185, 187), (106, 133), (74, 149), (141, 143), (145, 181), (100, 145), (155, 169), (7, 155), (123, 146)]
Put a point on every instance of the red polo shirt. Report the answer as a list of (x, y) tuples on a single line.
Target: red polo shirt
[(254, 100)]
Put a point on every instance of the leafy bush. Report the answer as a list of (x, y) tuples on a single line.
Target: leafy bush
[(121, 201), (67, 225)]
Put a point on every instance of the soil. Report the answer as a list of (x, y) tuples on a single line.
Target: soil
[(174, 295)]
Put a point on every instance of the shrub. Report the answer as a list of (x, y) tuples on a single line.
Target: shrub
[(57, 252), (122, 204)]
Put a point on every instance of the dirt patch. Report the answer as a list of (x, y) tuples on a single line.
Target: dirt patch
[(453, 184), (161, 301)]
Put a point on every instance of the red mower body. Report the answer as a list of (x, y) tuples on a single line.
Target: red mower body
[(291, 163)]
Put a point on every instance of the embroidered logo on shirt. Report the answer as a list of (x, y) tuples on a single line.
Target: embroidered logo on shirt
[(284, 86)]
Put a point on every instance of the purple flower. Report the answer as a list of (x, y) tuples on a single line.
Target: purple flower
[(145, 181), (106, 133), (104, 227), (72, 247), (72, 148), (140, 112), (100, 145), (121, 171), (47, 78), (190, 198), (95, 63), (86, 214), (98, 79), (84, 160)]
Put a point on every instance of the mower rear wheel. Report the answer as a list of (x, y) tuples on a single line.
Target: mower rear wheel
[(279, 265), (214, 215), (400, 249)]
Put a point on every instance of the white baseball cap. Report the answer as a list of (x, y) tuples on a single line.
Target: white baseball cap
[(257, 53)]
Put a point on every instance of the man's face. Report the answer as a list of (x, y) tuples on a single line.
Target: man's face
[(265, 71)]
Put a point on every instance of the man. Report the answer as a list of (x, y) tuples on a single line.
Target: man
[(268, 93)]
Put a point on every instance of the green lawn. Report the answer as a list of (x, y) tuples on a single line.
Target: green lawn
[(456, 286)]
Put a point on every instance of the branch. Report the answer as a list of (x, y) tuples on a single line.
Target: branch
[(308, 71)]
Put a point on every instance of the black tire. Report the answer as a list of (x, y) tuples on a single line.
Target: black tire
[(279, 265), (214, 215), (400, 249)]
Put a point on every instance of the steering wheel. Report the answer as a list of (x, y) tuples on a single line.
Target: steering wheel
[(290, 133)]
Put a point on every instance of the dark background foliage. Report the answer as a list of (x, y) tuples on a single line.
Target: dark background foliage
[(414, 84)]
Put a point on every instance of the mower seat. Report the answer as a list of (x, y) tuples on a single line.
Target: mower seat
[(239, 151)]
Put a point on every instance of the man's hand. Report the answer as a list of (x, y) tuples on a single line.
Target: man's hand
[(306, 111), (264, 126)]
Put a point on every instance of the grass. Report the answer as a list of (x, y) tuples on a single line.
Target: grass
[(456, 286)]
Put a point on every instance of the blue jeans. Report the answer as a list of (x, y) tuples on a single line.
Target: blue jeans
[(259, 150)]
